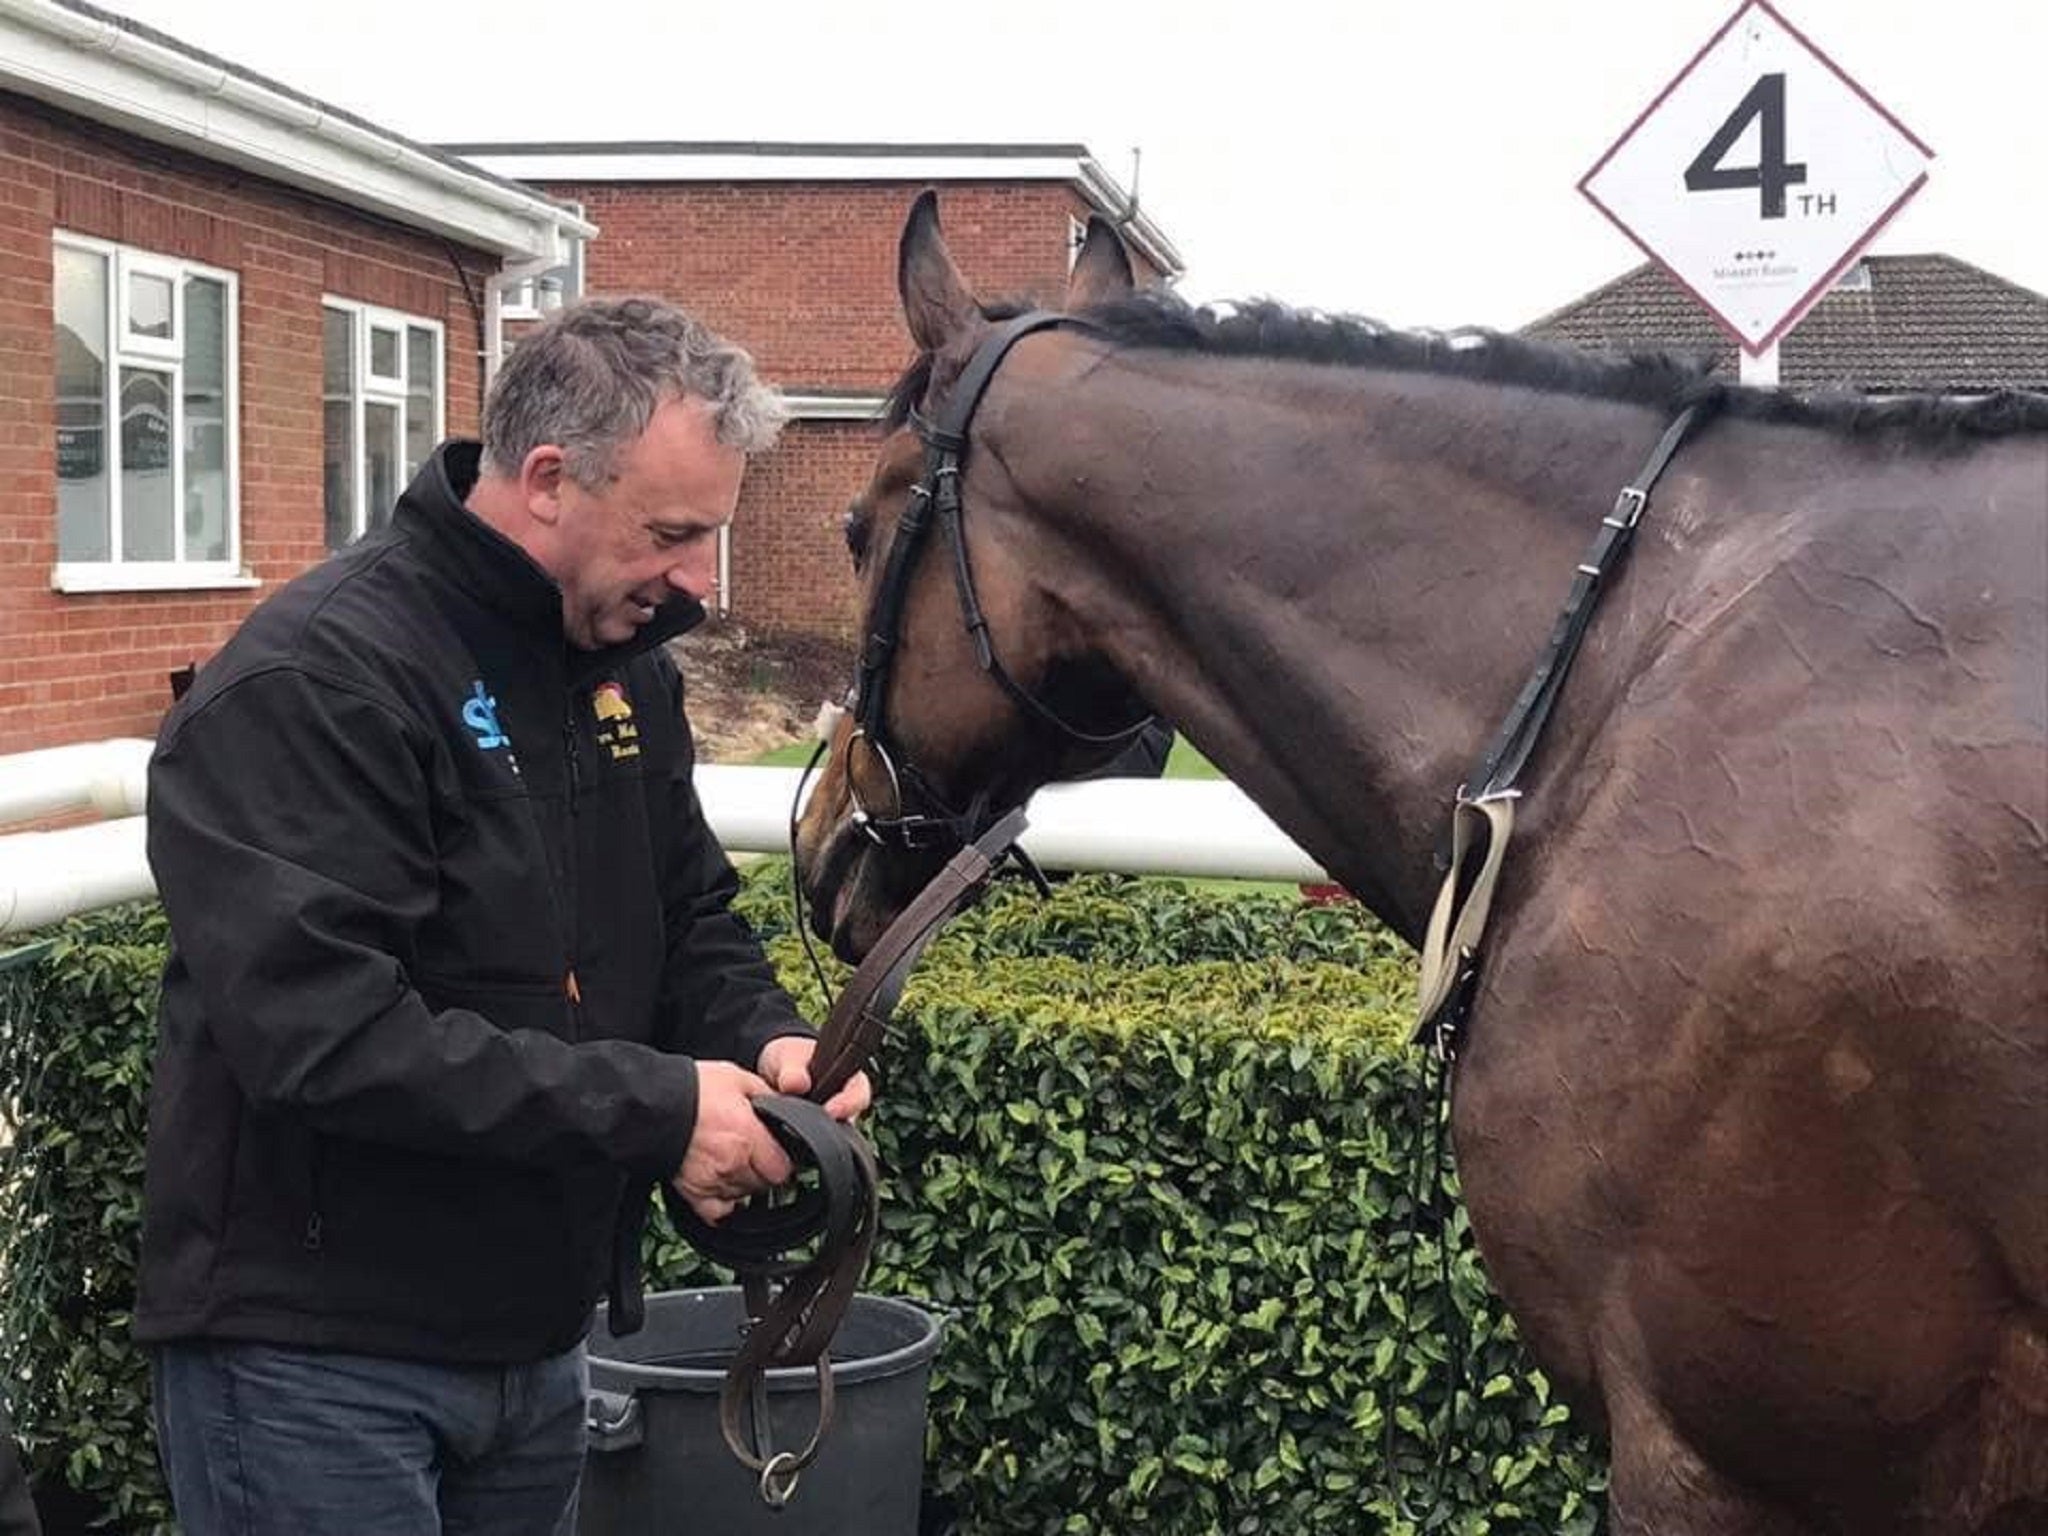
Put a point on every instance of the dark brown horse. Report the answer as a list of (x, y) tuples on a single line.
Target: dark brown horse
[(1752, 1115)]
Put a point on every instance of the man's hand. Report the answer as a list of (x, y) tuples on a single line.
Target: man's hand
[(731, 1154), (786, 1063)]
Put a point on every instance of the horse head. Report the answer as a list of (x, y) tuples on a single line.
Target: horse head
[(971, 692)]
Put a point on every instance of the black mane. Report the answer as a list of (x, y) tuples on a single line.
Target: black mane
[(1160, 320)]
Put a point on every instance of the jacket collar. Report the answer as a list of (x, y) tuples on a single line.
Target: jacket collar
[(433, 514)]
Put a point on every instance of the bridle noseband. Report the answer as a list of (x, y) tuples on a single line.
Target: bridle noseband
[(936, 500)]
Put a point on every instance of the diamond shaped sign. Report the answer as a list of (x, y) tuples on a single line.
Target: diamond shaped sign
[(1758, 175)]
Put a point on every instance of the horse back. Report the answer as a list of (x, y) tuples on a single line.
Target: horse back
[(1855, 667)]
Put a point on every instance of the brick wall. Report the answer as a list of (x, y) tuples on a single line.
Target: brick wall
[(803, 274), (790, 569), (83, 665)]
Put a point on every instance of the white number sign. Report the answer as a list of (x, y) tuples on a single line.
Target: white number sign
[(1758, 175)]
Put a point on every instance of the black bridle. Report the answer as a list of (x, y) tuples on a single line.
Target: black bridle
[(936, 500)]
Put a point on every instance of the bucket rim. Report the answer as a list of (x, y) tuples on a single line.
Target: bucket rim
[(846, 1371)]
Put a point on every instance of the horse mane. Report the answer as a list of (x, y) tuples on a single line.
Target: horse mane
[(1157, 319), (1668, 380)]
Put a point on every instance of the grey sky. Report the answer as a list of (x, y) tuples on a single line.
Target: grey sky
[(1417, 162)]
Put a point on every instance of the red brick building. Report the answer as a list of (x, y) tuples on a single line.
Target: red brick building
[(790, 249), (235, 319), (232, 320)]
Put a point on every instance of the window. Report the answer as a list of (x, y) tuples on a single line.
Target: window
[(381, 401), (146, 482)]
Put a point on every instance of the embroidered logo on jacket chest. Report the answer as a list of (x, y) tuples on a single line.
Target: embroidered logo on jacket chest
[(616, 732), (480, 714)]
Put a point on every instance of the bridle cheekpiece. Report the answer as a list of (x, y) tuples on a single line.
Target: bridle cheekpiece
[(935, 501)]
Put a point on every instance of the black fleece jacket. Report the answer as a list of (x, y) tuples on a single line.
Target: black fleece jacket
[(447, 928)]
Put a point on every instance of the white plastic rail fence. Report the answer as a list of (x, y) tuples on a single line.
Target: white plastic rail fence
[(1197, 828)]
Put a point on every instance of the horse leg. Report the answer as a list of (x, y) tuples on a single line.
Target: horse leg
[(1987, 1474), (1659, 1485)]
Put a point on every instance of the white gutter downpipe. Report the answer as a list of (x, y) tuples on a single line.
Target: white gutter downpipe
[(107, 777), (509, 276), (48, 876)]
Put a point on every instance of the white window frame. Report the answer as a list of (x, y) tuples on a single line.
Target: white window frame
[(129, 265), (154, 353), (370, 380), (367, 386)]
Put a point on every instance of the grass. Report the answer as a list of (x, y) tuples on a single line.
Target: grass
[(794, 755)]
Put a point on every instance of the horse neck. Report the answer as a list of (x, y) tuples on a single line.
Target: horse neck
[(1332, 581)]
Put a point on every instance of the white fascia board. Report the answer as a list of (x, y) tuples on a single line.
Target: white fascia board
[(99, 70), (655, 165)]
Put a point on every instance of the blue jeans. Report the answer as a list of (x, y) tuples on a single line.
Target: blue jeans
[(261, 1440)]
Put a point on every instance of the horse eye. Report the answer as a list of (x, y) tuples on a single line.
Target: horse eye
[(855, 528)]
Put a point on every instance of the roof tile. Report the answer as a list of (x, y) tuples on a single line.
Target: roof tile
[(1927, 323)]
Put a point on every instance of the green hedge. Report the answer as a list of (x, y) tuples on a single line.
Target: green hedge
[(1149, 1144), (74, 1070), (1145, 1145)]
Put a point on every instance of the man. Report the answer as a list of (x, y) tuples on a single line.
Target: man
[(453, 974)]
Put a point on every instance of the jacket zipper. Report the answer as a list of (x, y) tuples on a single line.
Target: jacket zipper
[(571, 988), (315, 1219)]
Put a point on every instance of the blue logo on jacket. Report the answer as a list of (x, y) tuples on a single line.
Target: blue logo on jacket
[(480, 714)]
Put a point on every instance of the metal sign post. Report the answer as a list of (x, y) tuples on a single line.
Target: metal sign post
[(1756, 177)]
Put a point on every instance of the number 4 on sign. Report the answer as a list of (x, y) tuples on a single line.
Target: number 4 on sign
[(1771, 175)]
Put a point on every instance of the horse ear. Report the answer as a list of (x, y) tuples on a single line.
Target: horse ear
[(936, 301), (1102, 270)]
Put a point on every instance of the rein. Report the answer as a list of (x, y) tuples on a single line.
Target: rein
[(795, 1300)]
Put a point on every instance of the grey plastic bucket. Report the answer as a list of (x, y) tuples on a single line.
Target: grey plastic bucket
[(658, 1465)]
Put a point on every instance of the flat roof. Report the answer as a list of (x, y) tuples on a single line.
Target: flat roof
[(703, 160)]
